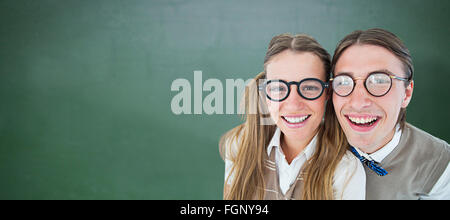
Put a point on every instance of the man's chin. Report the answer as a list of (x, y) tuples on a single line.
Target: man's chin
[(362, 143)]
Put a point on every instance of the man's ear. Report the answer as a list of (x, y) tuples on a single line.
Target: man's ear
[(408, 94)]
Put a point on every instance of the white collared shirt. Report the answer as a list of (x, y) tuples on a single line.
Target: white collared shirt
[(382, 153), (349, 177), (440, 190), (287, 173)]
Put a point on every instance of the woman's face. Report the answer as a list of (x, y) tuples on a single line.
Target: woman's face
[(297, 118)]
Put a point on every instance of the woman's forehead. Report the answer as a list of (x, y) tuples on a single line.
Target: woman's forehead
[(294, 66)]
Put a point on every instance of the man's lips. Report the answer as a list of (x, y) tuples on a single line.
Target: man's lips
[(362, 122)]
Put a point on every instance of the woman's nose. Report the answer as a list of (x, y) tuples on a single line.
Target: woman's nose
[(294, 98)]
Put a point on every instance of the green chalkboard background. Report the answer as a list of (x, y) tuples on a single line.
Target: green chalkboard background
[(85, 85)]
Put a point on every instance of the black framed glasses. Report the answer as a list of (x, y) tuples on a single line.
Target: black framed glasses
[(278, 90), (377, 83)]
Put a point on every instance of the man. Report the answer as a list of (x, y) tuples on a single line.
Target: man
[(372, 84)]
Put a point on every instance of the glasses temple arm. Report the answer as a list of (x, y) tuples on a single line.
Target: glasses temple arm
[(399, 78)]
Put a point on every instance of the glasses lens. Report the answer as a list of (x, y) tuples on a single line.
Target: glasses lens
[(378, 84), (277, 90), (343, 85), (310, 89)]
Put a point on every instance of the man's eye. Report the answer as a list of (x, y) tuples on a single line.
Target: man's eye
[(381, 81), (344, 83)]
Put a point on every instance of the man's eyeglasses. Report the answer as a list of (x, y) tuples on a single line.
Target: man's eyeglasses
[(377, 83), (278, 90)]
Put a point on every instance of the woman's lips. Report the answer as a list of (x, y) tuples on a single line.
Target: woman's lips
[(295, 121)]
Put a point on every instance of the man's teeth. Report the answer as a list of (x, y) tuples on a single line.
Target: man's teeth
[(296, 119), (362, 120)]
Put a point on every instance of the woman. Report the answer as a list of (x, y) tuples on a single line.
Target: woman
[(300, 155)]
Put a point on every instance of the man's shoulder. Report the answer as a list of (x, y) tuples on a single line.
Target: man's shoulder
[(423, 146), (421, 137), (431, 155)]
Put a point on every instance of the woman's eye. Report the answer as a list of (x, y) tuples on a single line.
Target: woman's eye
[(277, 89), (310, 88)]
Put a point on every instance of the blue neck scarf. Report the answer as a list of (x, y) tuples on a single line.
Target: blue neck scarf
[(373, 165)]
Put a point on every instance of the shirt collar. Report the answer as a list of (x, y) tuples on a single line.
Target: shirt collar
[(275, 142), (382, 153)]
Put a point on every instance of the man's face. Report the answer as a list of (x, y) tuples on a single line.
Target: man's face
[(352, 111)]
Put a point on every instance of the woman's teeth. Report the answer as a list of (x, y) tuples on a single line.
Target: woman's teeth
[(363, 121), (296, 119)]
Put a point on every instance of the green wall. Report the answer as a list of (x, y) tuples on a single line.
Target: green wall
[(85, 86)]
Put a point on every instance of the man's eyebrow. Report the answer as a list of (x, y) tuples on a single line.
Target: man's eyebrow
[(346, 73), (373, 71), (382, 71)]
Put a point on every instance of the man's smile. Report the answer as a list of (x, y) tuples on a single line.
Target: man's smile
[(362, 123)]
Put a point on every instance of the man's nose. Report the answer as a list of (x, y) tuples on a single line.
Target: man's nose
[(360, 98)]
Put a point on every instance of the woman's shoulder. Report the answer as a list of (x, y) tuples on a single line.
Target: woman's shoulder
[(229, 143), (229, 147), (350, 164), (350, 178), (350, 160)]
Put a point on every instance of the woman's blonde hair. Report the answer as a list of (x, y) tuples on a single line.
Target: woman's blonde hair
[(253, 136)]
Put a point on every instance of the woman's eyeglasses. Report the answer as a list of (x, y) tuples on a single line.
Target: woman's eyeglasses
[(278, 90), (377, 83)]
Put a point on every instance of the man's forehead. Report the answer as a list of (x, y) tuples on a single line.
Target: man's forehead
[(361, 60)]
